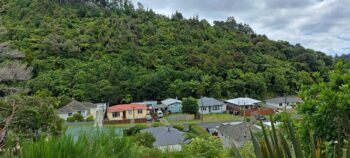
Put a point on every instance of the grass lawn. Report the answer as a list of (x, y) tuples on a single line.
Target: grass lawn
[(111, 125), (209, 118), (221, 117)]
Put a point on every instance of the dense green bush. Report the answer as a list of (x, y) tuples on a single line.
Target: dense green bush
[(156, 124), (145, 139), (70, 119), (78, 117), (90, 118), (189, 105), (155, 58), (180, 127), (101, 145), (134, 130)]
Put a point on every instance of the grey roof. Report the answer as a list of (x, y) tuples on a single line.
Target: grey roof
[(89, 105), (237, 132), (209, 101), (160, 106), (165, 136), (74, 106), (243, 101), (288, 99), (170, 101)]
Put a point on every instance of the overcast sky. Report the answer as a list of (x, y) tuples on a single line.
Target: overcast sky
[(318, 24)]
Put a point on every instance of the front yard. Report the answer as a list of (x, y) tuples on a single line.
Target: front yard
[(186, 118)]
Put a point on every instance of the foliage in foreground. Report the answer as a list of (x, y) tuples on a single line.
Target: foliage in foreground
[(326, 107), (101, 145), (28, 117), (275, 144)]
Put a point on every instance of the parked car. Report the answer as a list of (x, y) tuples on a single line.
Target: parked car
[(148, 117), (260, 117), (160, 114)]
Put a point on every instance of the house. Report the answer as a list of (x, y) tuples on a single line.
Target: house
[(246, 107), (149, 103), (161, 107), (210, 105), (283, 103), (84, 108), (167, 138), (174, 105), (237, 104), (236, 132), (127, 112)]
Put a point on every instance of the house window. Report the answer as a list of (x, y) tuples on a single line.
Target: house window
[(79, 112), (70, 114), (216, 107), (129, 112), (115, 114), (139, 111), (280, 104), (204, 108)]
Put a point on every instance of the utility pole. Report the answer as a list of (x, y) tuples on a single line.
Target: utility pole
[(285, 102), (202, 107)]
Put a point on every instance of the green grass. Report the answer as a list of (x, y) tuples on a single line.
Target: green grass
[(208, 118), (221, 117)]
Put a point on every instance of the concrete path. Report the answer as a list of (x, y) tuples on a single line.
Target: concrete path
[(164, 122)]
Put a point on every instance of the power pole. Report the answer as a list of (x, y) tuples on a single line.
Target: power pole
[(285, 103), (202, 107)]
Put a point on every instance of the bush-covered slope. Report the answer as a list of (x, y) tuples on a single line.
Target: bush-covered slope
[(100, 51)]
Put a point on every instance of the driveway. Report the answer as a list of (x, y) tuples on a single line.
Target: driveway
[(214, 124)]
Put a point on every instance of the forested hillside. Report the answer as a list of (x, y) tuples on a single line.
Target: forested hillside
[(99, 51)]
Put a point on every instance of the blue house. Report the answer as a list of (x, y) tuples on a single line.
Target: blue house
[(174, 105)]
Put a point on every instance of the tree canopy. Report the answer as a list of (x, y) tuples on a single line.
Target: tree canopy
[(110, 51)]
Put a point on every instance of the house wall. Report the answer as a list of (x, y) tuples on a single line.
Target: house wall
[(277, 106), (129, 114), (175, 107), (176, 147), (65, 115), (93, 112), (212, 110)]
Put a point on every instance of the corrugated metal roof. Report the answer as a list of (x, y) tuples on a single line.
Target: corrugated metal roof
[(206, 101), (288, 99), (170, 101), (124, 107), (243, 101), (73, 106), (165, 135)]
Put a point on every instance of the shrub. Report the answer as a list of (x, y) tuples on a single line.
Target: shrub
[(134, 130), (89, 118), (199, 131), (156, 124), (145, 139), (189, 105), (70, 119), (179, 127), (78, 117)]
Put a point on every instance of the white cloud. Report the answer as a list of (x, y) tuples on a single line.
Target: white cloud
[(320, 25)]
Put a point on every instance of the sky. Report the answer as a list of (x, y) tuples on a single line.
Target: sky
[(322, 25)]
